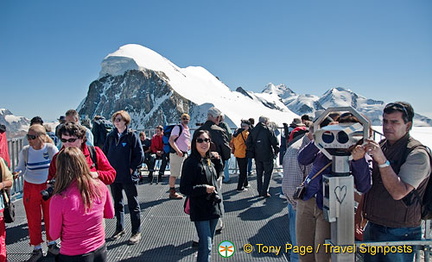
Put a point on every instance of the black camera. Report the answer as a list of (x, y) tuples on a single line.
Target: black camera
[(47, 193), (214, 197)]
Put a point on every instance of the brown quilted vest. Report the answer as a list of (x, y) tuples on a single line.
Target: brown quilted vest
[(379, 206)]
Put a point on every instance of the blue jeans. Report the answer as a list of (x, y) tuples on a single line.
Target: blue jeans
[(133, 204), (294, 257), (249, 166), (226, 171), (374, 232), (206, 230)]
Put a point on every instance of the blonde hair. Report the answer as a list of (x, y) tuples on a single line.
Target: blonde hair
[(72, 167), (41, 133)]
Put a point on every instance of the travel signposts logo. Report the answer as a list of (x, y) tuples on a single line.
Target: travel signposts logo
[(226, 249)]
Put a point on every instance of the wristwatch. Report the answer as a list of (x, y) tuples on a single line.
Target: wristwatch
[(387, 163)]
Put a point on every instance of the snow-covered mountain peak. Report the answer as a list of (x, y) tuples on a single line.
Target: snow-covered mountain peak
[(135, 57), (280, 90)]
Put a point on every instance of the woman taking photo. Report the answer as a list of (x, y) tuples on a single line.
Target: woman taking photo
[(78, 207), (34, 161), (198, 183)]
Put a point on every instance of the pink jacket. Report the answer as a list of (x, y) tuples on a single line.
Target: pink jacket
[(80, 232)]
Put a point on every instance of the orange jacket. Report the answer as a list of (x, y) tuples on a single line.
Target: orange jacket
[(238, 143)]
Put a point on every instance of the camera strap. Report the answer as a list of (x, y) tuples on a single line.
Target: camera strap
[(317, 174)]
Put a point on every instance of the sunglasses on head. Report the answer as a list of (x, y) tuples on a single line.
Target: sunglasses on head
[(200, 140), (70, 140), (31, 137), (398, 107)]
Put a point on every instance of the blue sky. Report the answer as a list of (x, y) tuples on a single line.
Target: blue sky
[(51, 50)]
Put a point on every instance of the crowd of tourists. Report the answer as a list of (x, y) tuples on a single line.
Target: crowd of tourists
[(83, 173)]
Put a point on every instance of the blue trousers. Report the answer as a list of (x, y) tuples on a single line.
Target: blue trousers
[(294, 257), (134, 208), (374, 232), (206, 230)]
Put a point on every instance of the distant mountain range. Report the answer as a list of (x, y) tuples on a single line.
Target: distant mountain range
[(155, 91)]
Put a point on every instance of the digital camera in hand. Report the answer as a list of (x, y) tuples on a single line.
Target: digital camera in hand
[(214, 197), (47, 193)]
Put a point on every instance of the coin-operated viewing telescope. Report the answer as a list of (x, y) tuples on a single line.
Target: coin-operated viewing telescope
[(335, 141)]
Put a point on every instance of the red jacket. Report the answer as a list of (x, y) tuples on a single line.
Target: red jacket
[(156, 144), (107, 173)]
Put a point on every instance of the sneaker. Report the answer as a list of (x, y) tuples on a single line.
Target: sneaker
[(36, 255), (118, 234), (242, 190), (247, 186), (53, 249), (135, 238)]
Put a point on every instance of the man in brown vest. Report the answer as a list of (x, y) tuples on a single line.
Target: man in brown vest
[(400, 166)]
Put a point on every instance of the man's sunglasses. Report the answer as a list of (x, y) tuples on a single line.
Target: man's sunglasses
[(70, 140), (31, 137), (200, 140), (398, 107)]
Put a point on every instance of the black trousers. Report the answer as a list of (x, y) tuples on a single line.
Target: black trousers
[(242, 164), (99, 255)]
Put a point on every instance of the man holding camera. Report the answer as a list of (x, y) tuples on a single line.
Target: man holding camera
[(401, 168)]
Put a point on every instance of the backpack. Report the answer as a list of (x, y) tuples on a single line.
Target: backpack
[(166, 135), (426, 202), (101, 129)]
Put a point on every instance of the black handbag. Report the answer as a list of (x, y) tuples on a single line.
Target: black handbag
[(301, 189), (9, 207)]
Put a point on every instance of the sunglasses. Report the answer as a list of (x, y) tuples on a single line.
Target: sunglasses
[(200, 140), (398, 107), (70, 140), (185, 118), (118, 119), (31, 137)]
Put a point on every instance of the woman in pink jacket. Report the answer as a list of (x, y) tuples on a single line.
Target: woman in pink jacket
[(78, 207)]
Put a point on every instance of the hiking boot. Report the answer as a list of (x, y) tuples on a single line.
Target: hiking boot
[(135, 238), (36, 255), (174, 195), (118, 234), (53, 249)]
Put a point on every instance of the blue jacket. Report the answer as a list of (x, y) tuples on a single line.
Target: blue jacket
[(124, 153), (360, 169)]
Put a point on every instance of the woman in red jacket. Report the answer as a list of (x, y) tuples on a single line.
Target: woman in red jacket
[(73, 135)]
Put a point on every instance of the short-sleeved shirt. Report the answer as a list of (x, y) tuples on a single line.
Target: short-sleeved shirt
[(183, 141), (416, 167)]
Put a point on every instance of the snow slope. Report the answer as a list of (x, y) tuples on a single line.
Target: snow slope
[(196, 84)]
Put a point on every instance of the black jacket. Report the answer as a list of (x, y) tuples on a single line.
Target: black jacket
[(263, 142), (124, 153), (196, 173)]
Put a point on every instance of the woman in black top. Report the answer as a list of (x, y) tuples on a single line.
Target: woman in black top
[(198, 182)]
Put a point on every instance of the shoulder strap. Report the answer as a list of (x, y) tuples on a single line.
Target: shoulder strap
[(180, 132), (93, 156), (319, 172)]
